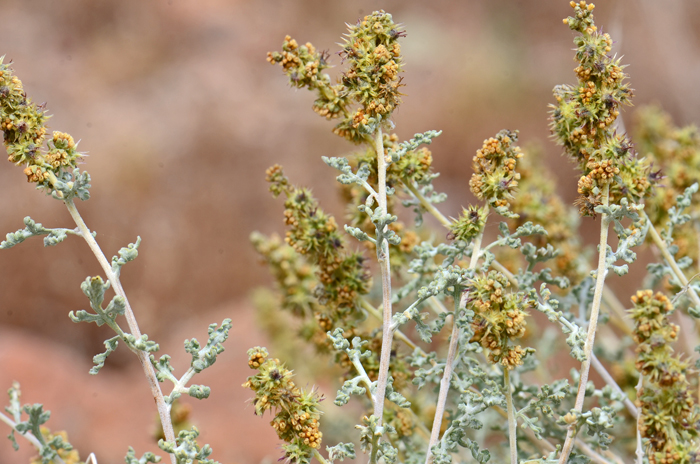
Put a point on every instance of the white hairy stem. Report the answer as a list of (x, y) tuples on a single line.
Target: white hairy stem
[(592, 325), (149, 371), (449, 362), (385, 266), (512, 424), (29, 436)]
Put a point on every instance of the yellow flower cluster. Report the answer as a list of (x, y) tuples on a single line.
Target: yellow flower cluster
[(296, 411), (500, 318), (495, 178), (24, 126), (669, 414)]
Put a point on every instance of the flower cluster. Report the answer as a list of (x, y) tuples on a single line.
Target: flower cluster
[(469, 224), (495, 178), (314, 234), (296, 281), (583, 118), (670, 418), (304, 65), (296, 411), (371, 80), (426, 273), (675, 152), (500, 318), (24, 128)]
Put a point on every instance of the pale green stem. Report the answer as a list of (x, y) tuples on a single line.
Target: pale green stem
[(397, 333), (27, 436), (449, 362), (163, 407), (595, 457), (375, 448), (618, 311), (512, 423), (680, 275), (593, 324), (640, 447), (385, 266), (320, 458), (401, 336), (661, 245), (181, 384), (546, 447), (427, 205), (603, 372)]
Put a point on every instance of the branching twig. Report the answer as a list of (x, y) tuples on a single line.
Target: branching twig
[(449, 362), (427, 205), (27, 436), (603, 372), (661, 245), (163, 408)]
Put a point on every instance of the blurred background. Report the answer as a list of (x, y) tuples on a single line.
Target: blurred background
[(180, 115)]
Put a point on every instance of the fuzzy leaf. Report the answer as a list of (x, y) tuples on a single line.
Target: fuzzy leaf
[(163, 368), (99, 359), (186, 449), (205, 357), (146, 458), (418, 139), (70, 185), (199, 391), (53, 236), (142, 343), (341, 451), (126, 254)]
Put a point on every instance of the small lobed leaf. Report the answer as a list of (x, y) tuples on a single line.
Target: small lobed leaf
[(146, 458), (99, 359), (126, 254), (205, 357)]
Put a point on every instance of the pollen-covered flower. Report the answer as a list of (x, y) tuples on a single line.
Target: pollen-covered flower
[(499, 319), (669, 415), (296, 411), (495, 179), (469, 224), (24, 130), (583, 119), (371, 82)]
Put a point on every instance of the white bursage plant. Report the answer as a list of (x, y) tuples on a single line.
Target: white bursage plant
[(437, 347)]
